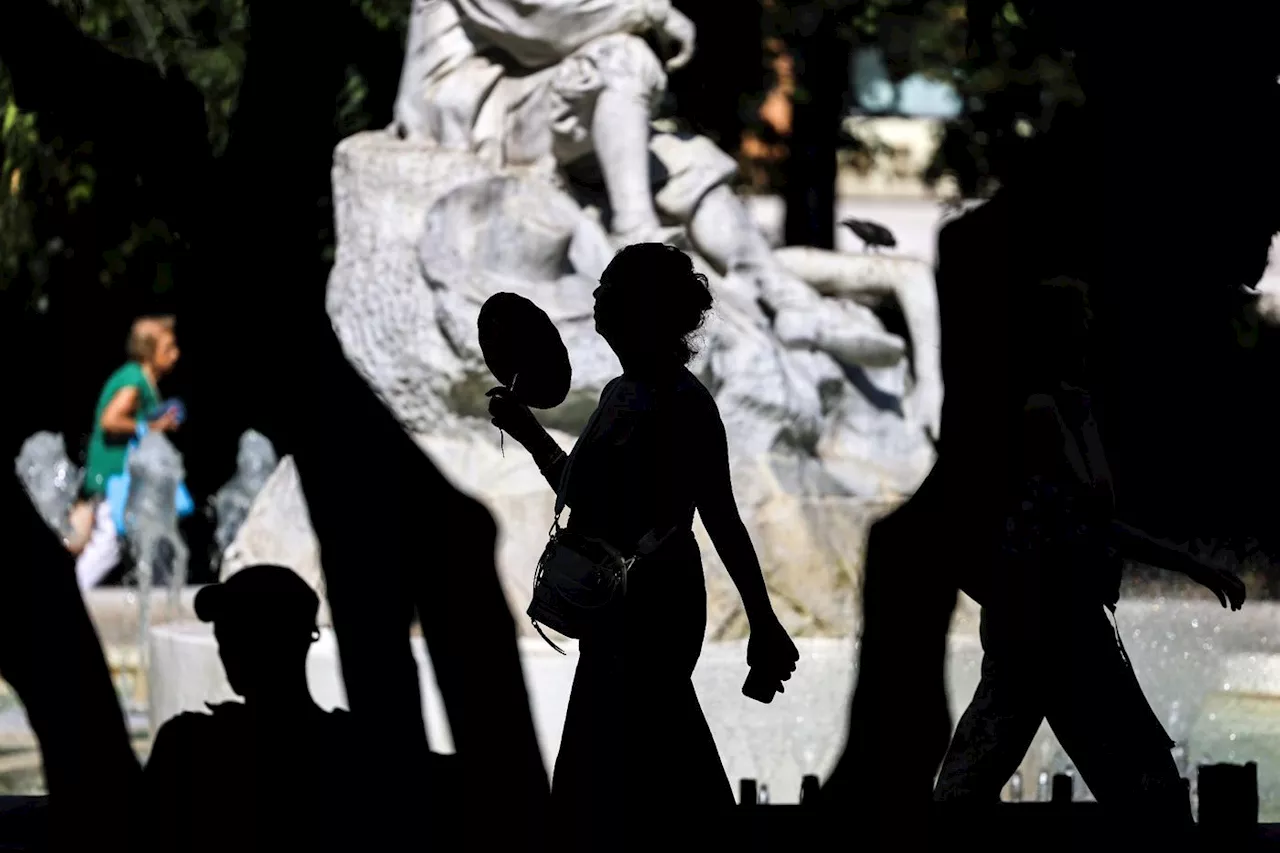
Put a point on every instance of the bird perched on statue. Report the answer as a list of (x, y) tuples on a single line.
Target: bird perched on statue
[(872, 234)]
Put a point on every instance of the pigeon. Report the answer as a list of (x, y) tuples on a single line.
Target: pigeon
[(872, 234)]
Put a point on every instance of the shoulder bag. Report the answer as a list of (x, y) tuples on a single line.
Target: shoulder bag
[(579, 577)]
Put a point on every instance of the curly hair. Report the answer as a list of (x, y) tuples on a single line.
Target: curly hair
[(661, 295)]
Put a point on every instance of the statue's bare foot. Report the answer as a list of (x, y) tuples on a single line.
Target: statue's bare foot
[(834, 328)]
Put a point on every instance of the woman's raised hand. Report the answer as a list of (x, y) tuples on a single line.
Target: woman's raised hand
[(510, 415)]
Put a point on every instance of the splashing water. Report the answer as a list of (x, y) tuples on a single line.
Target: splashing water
[(51, 479), (256, 461), (151, 523)]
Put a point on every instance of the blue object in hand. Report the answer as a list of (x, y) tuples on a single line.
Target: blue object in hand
[(175, 404)]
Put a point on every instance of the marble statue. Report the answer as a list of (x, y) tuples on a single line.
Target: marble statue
[(524, 152), (571, 87)]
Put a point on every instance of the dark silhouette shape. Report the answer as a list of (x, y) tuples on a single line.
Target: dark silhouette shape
[(288, 95), (658, 450), (1063, 788), (445, 572), (809, 788), (1165, 322), (275, 771), (820, 58), (51, 656), (720, 89), (760, 685), (524, 351), (1228, 799), (1059, 568), (872, 234), (268, 256), (433, 555)]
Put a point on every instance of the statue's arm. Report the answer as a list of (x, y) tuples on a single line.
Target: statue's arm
[(870, 279), (918, 297), (537, 33)]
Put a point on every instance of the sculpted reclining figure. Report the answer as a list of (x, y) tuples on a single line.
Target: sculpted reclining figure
[(571, 87)]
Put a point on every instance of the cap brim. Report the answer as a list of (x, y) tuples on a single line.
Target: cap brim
[(209, 602)]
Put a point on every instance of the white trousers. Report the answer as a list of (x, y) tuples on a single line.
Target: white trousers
[(102, 552)]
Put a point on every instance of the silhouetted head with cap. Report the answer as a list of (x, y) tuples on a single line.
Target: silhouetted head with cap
[(264, 618), (649, 305)]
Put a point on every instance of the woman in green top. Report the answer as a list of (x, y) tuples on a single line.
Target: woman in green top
[(129, 395)]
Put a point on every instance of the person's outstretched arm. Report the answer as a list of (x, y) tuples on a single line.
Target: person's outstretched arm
[(718, 509), (514, 418), (1142, 547), (1086, 460)]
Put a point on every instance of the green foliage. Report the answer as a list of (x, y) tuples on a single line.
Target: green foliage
[(1011, 80), (1012, 86), (49, 185), (1014, 82)]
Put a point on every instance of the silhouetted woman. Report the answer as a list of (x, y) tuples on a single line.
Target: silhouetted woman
[(634, 729)]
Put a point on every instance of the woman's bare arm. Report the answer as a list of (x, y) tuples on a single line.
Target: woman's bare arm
[(119, 418), (548, 456), (1087, 461), (719, 511), (1143, 547)]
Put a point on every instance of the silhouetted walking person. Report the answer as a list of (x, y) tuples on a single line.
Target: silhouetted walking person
[(274, 772), (655, 450), (1050, 650)]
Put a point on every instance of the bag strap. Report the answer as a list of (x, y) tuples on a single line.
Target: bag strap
[(562, 492)]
